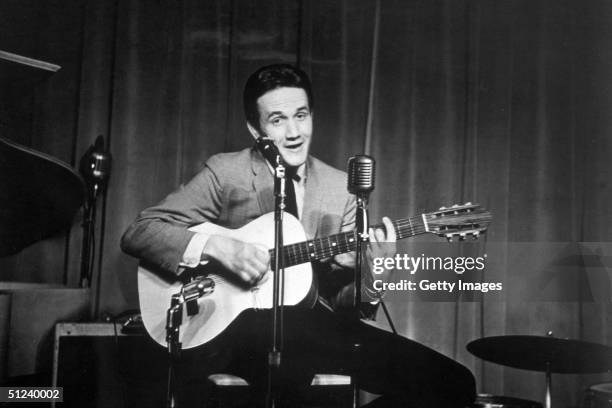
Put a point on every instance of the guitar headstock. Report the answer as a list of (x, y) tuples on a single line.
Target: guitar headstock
[(461, 221)]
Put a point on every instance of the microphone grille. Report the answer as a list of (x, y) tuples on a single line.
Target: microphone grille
[(361, 169)]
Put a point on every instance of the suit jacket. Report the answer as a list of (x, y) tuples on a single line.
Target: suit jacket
[(231, 190)]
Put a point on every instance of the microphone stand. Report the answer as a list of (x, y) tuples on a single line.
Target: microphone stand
[(360, 183), (188, 296), (89, 223), (274, 355), (363, 237), (174, 319), (95, 167)]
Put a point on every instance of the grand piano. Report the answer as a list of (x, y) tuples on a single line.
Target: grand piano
[(39, 198)]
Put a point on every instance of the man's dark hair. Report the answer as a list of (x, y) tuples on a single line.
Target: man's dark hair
[(268, 78)]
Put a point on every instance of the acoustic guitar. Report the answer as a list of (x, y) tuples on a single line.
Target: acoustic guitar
[(224, 298)]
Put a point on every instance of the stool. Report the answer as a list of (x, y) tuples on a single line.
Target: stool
[(330, 390), (325, 391), (228, 391)]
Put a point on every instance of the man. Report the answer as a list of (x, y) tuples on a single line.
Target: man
[(236, 188)]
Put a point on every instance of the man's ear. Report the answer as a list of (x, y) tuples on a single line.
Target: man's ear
[(254, 132)]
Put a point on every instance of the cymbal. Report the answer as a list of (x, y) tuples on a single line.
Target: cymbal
[(539, 353), (39, 196)]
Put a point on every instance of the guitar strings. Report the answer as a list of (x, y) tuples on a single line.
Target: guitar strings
[(302, 252), (316, 249)]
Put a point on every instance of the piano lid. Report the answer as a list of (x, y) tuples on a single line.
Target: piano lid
[(39, 196), (18, 68)]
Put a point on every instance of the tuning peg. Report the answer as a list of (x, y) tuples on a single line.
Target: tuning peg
[(455, 206), (468, 203), (449, 238), (442, 208)]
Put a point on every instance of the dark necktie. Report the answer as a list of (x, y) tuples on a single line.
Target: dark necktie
[(290, 201)]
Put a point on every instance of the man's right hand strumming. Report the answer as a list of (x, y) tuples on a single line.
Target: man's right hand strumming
[(247, 261)]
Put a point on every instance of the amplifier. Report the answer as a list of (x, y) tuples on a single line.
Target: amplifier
[(98, 366)]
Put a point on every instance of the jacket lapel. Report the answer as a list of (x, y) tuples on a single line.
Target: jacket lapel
[(263, 182)]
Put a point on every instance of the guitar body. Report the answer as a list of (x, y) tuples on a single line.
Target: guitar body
[(229, 298)]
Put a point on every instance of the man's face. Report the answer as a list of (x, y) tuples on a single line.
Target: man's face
[(285, 117)]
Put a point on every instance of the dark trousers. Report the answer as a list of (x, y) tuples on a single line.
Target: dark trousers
[(317, 341)]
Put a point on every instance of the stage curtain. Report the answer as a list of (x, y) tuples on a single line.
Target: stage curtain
[(504, 103)]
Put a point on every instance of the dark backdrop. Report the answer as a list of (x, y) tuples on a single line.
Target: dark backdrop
[(505, 103)]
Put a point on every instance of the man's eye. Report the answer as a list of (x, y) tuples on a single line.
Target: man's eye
[(277, 121), (302, 116)]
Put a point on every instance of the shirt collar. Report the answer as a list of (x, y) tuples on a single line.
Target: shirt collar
[(301, 172)]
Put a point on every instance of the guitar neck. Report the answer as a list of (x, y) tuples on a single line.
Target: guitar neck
[(343, 242)]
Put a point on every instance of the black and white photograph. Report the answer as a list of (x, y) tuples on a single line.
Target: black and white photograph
[(306, 203)]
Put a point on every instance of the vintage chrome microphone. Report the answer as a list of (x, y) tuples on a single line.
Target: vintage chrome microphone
[(269, 150), (95, 166), (361, 173)]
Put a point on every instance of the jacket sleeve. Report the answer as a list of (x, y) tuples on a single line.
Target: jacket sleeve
[(160, 235)]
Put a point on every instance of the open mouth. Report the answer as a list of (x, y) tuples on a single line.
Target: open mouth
[(294, 146)]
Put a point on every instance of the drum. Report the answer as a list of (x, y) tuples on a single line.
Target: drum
[(599, 396), (497, 401)]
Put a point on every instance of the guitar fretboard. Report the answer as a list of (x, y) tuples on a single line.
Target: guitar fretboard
[(321, 248)]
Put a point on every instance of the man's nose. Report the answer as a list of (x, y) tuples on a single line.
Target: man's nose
[(293, 129)]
